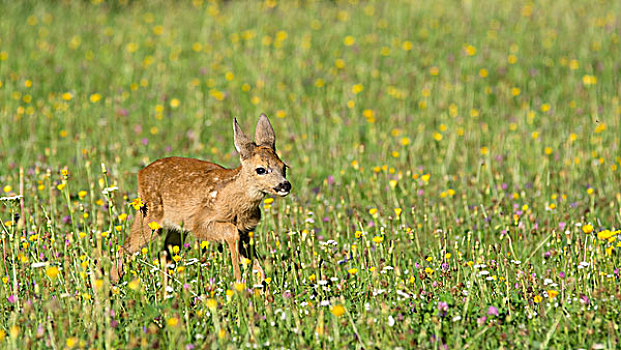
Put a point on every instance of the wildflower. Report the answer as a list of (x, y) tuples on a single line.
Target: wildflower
[(398, 211), (588, 228), (353, 271), (442, 308), (134, 284), (537, 299), (606, 234), (492, 310), (52, 272), (378, 239), (153, 225), (552, 294), (137, 203), (338, 310), (82, 194), (358, 234), (239, 286), (172, 322), (94, 98), (212, 304)]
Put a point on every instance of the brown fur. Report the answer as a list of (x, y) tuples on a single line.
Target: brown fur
[(206, 199)]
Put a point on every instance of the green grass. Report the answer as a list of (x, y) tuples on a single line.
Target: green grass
[(447, 158)]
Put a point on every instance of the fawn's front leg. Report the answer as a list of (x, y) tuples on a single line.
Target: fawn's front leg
[(222, 231)]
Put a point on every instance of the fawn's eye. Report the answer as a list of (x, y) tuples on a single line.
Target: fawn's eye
[(261, 171)]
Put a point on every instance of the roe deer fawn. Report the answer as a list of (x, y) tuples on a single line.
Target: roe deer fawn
[(208, 200)]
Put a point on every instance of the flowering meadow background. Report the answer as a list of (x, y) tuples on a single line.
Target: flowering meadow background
[(455, 167)]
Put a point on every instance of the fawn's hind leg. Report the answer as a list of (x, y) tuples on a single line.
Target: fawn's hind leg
[(140, 235)]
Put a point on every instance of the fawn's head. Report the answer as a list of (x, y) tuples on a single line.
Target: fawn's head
[(260, 163)]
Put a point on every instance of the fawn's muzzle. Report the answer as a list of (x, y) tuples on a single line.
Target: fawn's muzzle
[(283, 188)]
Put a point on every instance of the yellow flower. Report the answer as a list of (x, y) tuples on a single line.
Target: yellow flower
[(378, 239), (94, 98), (338, 310), (172, 322), (552, 294), (137, 203), (470, 50), (537, 299), (356, 89), (204, 244), (212, 304), (353, 271), (398, 211), (52, 272), (588, 228), (134, 284), (429, 271), (153, 225), (240, 286), (606, 234)]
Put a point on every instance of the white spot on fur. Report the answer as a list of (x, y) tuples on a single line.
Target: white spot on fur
[(214, 194), (216, 178)]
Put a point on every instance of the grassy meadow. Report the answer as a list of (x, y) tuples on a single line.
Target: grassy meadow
[(455, 170)]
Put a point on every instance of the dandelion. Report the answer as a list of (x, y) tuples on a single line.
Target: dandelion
[(52, 272), (378, 239), (606, 234), (172, 322), (338, 310), (537, 299), (353, 271), (153, 225), (470, 50), (137, 203), (357, 88), (552, 294), (588, 228)]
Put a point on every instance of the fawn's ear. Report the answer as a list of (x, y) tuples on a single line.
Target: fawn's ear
[(264, 135), (242, 143)]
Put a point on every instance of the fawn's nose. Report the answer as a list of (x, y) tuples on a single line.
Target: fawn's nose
[(283, 188)]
